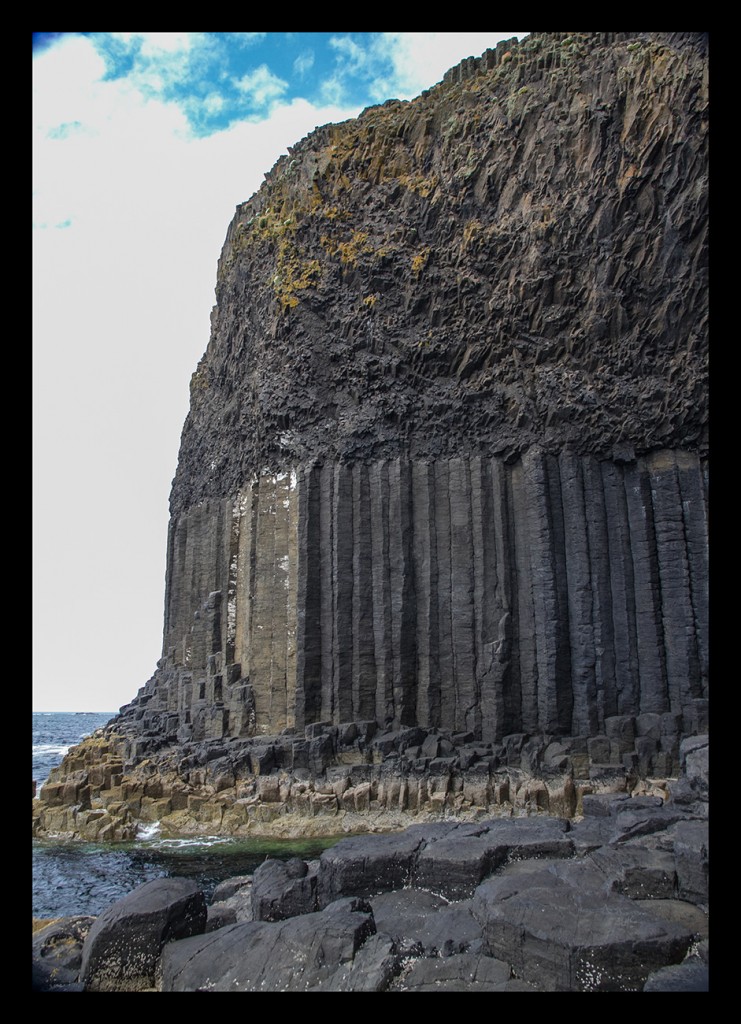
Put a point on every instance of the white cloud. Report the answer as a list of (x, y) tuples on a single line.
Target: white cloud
[(248, 38), (213, 103), (136, 209), (303, 63), (355, 58), (160, 61), (132, 212), (420, 59), (156, 44), (262, 86), (402, 64), (333, 89)]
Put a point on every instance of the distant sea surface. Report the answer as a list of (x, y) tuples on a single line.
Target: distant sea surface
[(85, 878)]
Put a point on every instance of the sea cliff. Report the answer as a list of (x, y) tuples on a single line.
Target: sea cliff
[(438, 536)]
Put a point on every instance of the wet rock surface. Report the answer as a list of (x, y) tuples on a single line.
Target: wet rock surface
[(367, 916)]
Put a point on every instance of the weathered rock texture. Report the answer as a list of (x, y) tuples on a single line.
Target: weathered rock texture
[(445, 461), (531, 904)]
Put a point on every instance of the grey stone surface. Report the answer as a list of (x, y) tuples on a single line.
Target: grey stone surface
[(417, 917), (230, 887), (692, 859), (558, 929), (282, 889), (455, 864), (123, 947), (372, 969), (260, 956), (365, 865), (692, 975), (637, 872), (466, 972)]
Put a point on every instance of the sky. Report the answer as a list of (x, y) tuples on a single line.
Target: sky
[(143, 145)]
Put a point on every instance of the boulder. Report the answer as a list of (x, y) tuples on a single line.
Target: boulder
[(261, 956), (692, 975), (372, 969), (455, 864), (366, 865), (123, 947), (556, 926), (692, 859), (638, 872), (230, 887), (282, 889)]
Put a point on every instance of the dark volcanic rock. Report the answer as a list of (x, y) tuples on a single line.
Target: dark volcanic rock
[(282, 889), (441, 503), (559, 929), (455, 864), (692, 859), (692, 975), (637, 872), (427, 921), (293, 955), (366, 865), (123, 947), (57, 954), (451, 347), (558, 164), (466, 972)]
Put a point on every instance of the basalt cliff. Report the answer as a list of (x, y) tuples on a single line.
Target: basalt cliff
[(438, 540)]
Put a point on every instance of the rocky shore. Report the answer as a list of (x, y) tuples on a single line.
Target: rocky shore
[(437, 561), (356, 777), (613, 900)]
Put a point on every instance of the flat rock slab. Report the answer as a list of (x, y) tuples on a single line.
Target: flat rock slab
[(591, 833), (372, 969), (466, 972), (123, 947), (455, 864), (639, 872), (633, 822), (416, 917), (366, 865), (691, 917), (449, 858), (260, 956), (559, 929), (230, 887)]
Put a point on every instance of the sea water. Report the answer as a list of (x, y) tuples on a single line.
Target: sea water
[(85, 878)]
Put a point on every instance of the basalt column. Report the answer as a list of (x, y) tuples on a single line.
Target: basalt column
[(445, 461), (462, 594)]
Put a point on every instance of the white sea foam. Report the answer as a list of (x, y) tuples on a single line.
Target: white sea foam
[(148, 832), (182, 844), (50, 749)]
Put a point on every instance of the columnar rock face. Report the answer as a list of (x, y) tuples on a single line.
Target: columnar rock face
[(463, 594), (445, 464)]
